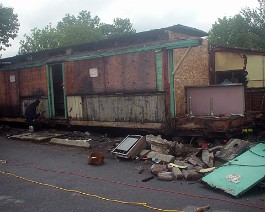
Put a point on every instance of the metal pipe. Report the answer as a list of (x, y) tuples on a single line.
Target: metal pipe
[(211, 107), (190, 106)]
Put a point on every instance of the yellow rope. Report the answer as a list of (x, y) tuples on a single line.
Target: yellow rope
[(90, 195)]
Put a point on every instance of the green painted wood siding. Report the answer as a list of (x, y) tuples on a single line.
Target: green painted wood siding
[(159, 77)]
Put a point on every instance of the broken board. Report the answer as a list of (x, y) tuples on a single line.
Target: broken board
[(36, 136), (240, 174)]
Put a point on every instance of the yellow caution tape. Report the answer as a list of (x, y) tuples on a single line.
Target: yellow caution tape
[(90, 195)]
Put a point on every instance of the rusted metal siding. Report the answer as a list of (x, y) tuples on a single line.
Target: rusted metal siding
[(33, 82), (192, 71), (125, 108), (127, 73)]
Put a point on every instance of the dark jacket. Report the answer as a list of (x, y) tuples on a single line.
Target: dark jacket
[(31, 112)]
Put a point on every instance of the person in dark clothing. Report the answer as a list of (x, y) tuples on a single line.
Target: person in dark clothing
[(31, 113)]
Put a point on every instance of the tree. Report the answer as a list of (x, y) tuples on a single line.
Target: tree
[(80, 29), (73, 30), (8, 26), (118, 28), (246, 29), (40, 39)]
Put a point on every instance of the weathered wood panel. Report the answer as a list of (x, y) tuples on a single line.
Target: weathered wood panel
[(33, 82), (225, 61), (74, 107), (9, 94), (3, 93), (134, 72), (192, 71), (79, 79), (256, 71), (136, 108), (13, 106), (127, 73)]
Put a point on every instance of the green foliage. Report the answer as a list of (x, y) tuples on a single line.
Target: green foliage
[(118, 28), (40, 39), (8, 26), (245, 30), (73, 30)]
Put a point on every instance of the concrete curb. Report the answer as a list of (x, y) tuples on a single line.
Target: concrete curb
[(78, 143)]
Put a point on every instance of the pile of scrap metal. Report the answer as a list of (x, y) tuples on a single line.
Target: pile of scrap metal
[(233, 167)]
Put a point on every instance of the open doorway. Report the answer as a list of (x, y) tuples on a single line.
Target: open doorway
[(57, 94)]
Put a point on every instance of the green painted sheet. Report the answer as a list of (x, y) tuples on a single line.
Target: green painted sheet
[(159, 77), (240, 174), (172, 90)]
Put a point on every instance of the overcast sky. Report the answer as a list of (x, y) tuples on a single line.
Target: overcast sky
[(143, 14)]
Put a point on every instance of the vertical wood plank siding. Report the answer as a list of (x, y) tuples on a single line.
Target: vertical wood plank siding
[(134, 108), (9, 94), (3, 93)]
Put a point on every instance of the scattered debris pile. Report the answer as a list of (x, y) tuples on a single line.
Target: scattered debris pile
[(173, 160)]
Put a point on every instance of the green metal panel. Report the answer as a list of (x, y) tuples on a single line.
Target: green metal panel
[(159, 77), (240, 174), (49, 91), (172, 91), (23, 66), (64, 93)]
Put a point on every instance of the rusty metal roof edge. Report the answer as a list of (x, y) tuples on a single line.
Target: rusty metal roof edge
[(236, 49), (22, 66), (169, 45), (155, 46)]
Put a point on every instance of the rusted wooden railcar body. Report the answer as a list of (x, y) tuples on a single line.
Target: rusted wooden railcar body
[(137, 81), (123, 82)]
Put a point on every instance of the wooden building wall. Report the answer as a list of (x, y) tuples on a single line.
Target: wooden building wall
[(18, 84), (4, 96), (123, 89), (192, 71), (127, 73), (33, 82)]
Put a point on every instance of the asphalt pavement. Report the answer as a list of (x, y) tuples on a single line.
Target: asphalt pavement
[(46, 177)]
